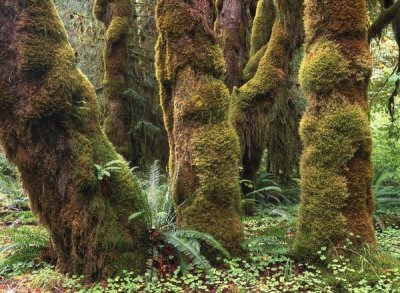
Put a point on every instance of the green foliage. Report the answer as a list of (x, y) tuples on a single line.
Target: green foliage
[(20, 246), (107, 169), (159, 215)]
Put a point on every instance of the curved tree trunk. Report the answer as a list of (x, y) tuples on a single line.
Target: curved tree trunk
[(117, 17), (49, 129), (231, 29), (337, 201), (204, 166), (254, 100)]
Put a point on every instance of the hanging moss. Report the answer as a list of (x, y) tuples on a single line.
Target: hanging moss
[(49, 129), (204, 167), (116, 16), (252, 102), (336, 171)]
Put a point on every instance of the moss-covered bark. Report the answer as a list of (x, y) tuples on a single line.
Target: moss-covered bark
[(49, 129), (231, 30), (337, 201), (254, 100), (117, 17), (283, 141), (204, 148)]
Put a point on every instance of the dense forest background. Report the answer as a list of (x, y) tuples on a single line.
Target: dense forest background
[(165, 230)]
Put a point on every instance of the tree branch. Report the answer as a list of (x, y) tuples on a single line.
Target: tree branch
[(383, 20)]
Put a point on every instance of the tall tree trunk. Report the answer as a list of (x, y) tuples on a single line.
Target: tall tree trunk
[(254, 100), (117, 18), (204, 166), (336, 171), (49, 129), (231, 29)]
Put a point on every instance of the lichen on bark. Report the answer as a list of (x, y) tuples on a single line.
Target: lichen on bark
[(49, 129), (336, 171), (204, 148)]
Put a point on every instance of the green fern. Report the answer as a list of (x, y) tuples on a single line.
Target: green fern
[(21, 244), (158, 211)]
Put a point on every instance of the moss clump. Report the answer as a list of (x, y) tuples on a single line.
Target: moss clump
[(323, 69)]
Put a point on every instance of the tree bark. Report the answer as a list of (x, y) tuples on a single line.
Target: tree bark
[(117, 19), (231, 28), (336, 171), (49, 129), (204, 147), (252, 103)]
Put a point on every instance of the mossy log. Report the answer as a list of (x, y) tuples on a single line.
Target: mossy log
[(49, 129), (117, 18), (268, 72), (336, 172), (204, 147)]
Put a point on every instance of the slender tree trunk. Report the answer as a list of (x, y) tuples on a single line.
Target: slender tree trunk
[(117, 18), (49, 129), (336, 171), (204, 166), (231, 29), (254, 100)]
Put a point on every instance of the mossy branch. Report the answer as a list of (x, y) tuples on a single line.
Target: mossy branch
[(383, 20)]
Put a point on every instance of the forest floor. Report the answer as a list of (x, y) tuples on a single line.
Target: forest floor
[(268, 267)]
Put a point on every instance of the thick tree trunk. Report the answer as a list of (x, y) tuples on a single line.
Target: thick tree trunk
[(49, 129), (231, 29), (254, 100), (336, 171), (117, 18), (204, 166)]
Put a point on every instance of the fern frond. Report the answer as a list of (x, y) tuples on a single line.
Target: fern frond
[(207, 238), (188, 249)]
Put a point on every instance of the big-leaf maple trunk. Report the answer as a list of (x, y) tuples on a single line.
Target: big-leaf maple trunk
[(49, 129), (336, 172), (204, 147)]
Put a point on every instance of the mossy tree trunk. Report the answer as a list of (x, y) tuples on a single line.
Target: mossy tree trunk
[(267, 73), (336, 172), (49, 129), (204, 147), (231, 29), (117, 18)]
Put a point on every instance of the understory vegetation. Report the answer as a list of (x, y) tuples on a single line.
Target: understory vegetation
[(175, 262)]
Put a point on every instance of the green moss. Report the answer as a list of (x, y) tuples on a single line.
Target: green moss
[(207, 100), (82, 154), (119, 27), (252, 65), (325, 190), (262, 25), (346, 126), (323, 69)]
